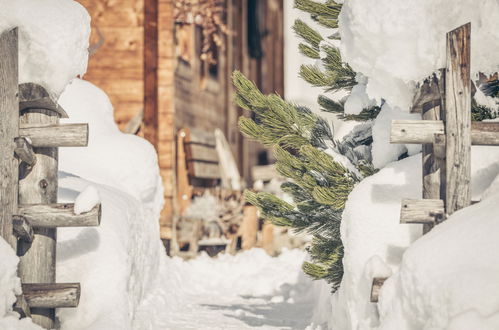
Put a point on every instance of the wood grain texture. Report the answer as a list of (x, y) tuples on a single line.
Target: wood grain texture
[(203, 170), (201, 152), (9, 126), (51, 295), (421, 132), (39, 186), (430, 103), (458, 120), (64, 135), (249, 227), (415, 131), (425, 211), (59, 215)]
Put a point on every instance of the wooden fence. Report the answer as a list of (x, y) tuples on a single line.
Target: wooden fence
[(446, 133), (30, 135)]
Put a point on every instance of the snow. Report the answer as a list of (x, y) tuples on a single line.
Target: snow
[(10, 286), (383, 152), (53, 40), (250, 290), (86, 200), (398, 43), (376, 244)]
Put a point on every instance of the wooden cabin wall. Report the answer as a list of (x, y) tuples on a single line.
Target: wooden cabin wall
[(117, 66)]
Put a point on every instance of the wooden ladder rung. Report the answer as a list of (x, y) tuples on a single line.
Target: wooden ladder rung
[(425, 211), (59, 135), (59, 215), (51, 295)]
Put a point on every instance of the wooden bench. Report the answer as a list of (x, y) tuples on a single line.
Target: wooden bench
[(199, 170)]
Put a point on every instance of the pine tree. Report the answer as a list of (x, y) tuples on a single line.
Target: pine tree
[(300, 140)]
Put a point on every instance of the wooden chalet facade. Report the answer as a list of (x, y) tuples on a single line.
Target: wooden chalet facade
[(151, 69)]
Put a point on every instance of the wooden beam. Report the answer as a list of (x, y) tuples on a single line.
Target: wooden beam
[(9, 126), (376, 287), (433, 154), (59, 215), (485, 133), (34, 96), (415, 131), (51, 295), (458, 120), (21, 307), (22, 229), (201, 152), (249, 227), (203, 170), (151, 56), (64, 135), (423, 131), (24, 151), (426, 211)]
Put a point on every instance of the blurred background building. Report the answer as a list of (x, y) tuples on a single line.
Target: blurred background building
[(164, 70)]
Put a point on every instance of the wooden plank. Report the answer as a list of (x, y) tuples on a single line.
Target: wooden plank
[(201, 152), (202, 137), (249, 227), (64, 135), (24, 151), (22, 229), (376, 287), (415, 131), (51, 295), (458, 120), (9, 126), (59, 215), (39, 186), (34, 96), (203, 170), (485, 133), (433, 160), (268, 238), (423, 131), (426, 211), (184, 189), (150, 58)]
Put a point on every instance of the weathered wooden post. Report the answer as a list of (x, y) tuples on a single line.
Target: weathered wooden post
[(446, 136), (38, 185), (458, 120), (29, 213), (9, 130)]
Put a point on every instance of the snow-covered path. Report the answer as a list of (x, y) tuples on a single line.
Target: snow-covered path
[(247, 291)]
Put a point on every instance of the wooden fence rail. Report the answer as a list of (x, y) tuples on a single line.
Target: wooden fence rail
[(30, 135), (446, 133)]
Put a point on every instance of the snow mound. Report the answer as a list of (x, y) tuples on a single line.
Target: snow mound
[(53, 40), (121, 263), (375, 243), (448, 278), (124, 161), (398, 43)]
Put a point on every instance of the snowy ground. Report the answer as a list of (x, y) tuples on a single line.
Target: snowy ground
[(247, 291)]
